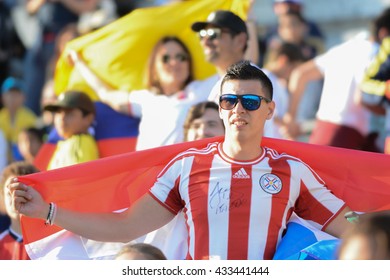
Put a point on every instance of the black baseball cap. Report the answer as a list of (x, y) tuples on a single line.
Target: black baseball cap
[(72, 99), (222, 19)]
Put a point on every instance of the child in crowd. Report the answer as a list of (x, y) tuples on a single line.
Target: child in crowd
[(30, 140), (11, 240), (14, 116), (74, 115), (203, 121)]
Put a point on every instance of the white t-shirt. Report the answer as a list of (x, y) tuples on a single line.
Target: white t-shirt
[(162, 116), (343, 68)]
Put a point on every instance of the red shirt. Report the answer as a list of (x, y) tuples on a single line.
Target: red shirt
[(11, 246)]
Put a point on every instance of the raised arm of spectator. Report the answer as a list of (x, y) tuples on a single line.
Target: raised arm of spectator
[(80, 6), (252, 51), (118, 100), (32, 6), (144, 216)]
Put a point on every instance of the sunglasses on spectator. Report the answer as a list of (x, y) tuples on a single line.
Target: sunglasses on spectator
[(250, 102), (212, 33), (166, 58)]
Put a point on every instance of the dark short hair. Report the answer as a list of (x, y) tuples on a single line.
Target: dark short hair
[(291, 51), (246, 70), (17, 168), (381, 21), (35, 132), (196, 112)]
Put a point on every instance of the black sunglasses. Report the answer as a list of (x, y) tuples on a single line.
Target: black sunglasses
[(166, 58), (211, 33), (250, 102)]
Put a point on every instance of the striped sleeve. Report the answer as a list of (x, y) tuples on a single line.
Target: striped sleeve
[(315, 203), (166, 189)]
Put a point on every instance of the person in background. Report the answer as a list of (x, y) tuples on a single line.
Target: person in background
[(14, 116), (282, 60), (345, 123), (171, 91), (237, 195), (140, 251), (30, 140), (293, 29), (368, 240), (11, 240), (225, 40), (313, 35), (203, 121), (74, 113), (52, 17), (376, 80)]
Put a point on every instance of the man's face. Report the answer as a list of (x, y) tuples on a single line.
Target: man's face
[(69, 122), (172, 64), (218, 44), (242, 124), (208, 125)]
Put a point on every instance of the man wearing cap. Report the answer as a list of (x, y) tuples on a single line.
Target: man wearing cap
[(74, 114), (224, 38)]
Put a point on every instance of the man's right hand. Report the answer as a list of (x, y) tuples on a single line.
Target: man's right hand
[(27, 201)]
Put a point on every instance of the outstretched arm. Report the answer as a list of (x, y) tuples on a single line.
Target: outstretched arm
[(143, 217), (340, 224), (118, 100), (252, 51)]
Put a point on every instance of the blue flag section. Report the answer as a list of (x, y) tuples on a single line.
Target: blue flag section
[(303, 242)]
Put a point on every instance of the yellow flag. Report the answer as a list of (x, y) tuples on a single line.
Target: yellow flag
[(118, 52)]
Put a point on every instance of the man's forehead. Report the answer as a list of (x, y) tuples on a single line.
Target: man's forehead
[(242, 86)]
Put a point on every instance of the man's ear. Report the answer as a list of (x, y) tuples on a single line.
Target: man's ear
[(271, 110), (220, 113)]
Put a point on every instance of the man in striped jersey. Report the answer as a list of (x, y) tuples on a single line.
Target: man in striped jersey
[(236, 195)]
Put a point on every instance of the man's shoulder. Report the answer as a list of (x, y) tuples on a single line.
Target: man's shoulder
[(203, 148), (278, 155)]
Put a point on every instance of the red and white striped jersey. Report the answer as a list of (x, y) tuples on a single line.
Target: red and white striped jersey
[(11, 246), (239, 209)]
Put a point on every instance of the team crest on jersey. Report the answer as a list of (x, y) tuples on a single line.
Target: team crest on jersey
[(270, 183)]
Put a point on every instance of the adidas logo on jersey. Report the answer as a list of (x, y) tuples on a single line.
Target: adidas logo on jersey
[(241, 174)]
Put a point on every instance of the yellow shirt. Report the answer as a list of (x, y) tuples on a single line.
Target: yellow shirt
[(24, 118), (76, 149)]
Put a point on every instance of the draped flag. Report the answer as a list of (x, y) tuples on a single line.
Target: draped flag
[(118, 52), (109, 184)]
